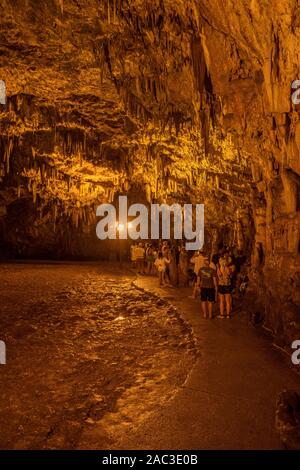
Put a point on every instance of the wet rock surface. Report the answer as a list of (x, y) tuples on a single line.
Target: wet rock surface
[(169, 102), (89, 355)]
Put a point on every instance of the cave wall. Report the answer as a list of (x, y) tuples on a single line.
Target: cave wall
[(186, 101), (253, 58)]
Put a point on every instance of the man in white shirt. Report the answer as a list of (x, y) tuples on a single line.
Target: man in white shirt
[(198, 260)]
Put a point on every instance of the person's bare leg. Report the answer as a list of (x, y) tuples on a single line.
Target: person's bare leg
[(221, 299), (228, 304), (210, 309), (204, 310)]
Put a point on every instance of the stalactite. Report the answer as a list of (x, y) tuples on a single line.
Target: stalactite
[(108, 11), (34, 192), (61, 6), (7, 152), (115, 11), (199, 65)]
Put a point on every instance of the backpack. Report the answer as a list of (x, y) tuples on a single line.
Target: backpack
[(224, 275)]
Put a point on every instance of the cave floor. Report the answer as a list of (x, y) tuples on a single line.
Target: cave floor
[(98, 359), (228, 400)]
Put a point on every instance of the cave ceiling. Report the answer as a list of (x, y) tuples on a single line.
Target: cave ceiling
[(166, 101)]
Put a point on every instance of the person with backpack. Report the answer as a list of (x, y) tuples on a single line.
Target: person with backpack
[(198, 261), (140, 258), (207, 280), (150, 259), (161, 264), (224, 272)]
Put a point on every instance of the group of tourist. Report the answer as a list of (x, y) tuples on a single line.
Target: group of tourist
[(212, 277)]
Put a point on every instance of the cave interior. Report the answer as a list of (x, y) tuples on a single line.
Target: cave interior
[(163, 101)]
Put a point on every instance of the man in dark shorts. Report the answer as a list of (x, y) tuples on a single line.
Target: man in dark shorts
[(208, 285)]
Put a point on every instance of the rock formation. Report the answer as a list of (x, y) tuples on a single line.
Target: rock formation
[(186, 101), (288, 419)]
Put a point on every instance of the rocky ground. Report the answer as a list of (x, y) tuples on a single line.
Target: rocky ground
[(89, 355)]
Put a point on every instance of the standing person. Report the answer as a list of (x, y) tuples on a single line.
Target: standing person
[(173, 267), (140, 254), (242, 281), (133, 254), (155, 252), (166, 253), (161, 266), (150, 259), (183, 267), (198, 261), (230, 262), (208, 287), (165, 249), (214, 261), (224, 287)]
